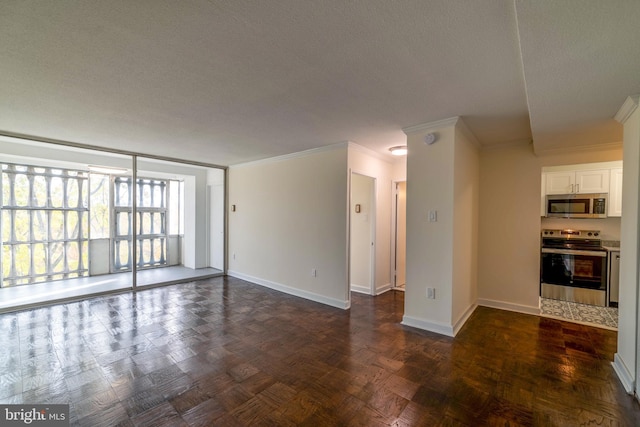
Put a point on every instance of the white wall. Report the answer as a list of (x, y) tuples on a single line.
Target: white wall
[(430, 262), (291, 217), (385, 171), (625, 360), (465, 227)]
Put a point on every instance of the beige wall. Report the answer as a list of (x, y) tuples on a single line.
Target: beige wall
[(465, 231), (509, 243), (291, 217), (441, 177), (368, 163)]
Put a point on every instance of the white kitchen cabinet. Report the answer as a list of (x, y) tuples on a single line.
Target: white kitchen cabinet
[(543, 198), (615, 193), (577, 182), (592, 181), (560, 182)]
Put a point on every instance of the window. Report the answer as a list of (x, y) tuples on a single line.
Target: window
[(151, 226), (45, 230)]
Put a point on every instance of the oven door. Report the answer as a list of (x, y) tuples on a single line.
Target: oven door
[(574, 275)]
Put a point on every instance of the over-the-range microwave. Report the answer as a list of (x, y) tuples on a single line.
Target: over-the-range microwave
[(577, 205)]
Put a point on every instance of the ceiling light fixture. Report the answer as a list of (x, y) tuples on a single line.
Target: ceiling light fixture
[(398, 150)]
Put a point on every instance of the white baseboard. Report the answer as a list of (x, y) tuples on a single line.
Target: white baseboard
[(526, 309), (623, 373), (360, 289), (383, 289), (463, 319), (292, 291), (428, 325)]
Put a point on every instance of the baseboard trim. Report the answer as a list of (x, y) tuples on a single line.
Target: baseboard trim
[(292, 291), (463, 319), (383, 289), (623, 373), (526, 309), (428, 325), (360, 289)]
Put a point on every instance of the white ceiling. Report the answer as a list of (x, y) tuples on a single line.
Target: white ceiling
[(226, 82)]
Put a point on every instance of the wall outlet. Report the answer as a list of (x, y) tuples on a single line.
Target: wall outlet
[(431, 293), (234, 255), (314, 272)]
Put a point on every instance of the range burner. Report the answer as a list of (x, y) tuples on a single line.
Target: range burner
[(572, 239)]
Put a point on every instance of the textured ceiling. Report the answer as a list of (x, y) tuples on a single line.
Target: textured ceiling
[(232, 81)]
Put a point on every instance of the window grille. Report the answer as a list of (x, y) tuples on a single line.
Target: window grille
[(151, 224), (45, 234)]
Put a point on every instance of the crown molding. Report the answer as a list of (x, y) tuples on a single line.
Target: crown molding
[(298, 154), (389, 158), (425, 127), (578, 148), (464, 129), (628, 107)]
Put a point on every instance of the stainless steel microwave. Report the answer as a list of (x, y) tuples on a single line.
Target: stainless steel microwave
[(577, 205)]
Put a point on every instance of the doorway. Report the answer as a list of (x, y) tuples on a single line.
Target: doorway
[(362, 234), (400, 232)]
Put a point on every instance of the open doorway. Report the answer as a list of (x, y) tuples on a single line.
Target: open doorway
[(400, 233), (362, 234)]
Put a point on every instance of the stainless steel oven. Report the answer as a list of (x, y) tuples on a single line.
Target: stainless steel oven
[(573, 266)]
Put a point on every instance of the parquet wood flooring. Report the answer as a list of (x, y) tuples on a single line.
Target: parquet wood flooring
[(225, 352)]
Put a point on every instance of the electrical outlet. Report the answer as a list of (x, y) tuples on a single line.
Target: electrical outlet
[(314, 272), (234, 255), (431, 293)]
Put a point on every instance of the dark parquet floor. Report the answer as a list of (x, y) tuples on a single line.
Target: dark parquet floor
[(224, 352)]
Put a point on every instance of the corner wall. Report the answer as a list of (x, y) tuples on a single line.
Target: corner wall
[(290, 218)]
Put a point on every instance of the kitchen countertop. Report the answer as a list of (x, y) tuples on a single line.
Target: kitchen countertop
[(611, 248)]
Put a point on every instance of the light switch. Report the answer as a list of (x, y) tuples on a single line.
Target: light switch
[(433, 216)]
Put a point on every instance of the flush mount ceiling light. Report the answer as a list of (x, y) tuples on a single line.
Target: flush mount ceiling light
[(398, 150)]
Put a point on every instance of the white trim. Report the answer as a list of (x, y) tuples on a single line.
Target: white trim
[(389, 158), (462, 126), (292, 291), (360, 289), (572, 149), (383, 289), (463, 319), (628, 107), (295, 155), (501, 305), (424, 127), (623, 373), (428, 325)]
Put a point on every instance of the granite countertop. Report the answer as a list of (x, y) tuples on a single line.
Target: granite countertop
[(611, 245)]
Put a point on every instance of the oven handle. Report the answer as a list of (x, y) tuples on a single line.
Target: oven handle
[(573, 252)]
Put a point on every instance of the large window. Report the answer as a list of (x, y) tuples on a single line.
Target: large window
[(44, 224), (151, 224)]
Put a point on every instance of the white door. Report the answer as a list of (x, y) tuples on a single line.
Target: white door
[(362, 226)]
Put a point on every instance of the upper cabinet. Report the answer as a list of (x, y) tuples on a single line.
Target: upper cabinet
[(615, 193), (577, 182), (605, 177)]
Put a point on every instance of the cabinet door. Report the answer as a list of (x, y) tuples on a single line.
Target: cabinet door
[(615, 193), (543, 199), (593, 181), (560, 182)]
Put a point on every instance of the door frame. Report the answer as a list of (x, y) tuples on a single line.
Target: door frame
[(394, 228), (373, 226)]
